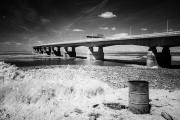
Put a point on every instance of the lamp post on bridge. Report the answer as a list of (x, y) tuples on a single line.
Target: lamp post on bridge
[(130, 30), (108, 32), (167, 26)]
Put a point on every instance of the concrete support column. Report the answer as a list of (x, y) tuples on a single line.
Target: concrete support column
[(48, 50), (41, 49), (44, 49), (151, 58), (68, 53), (91, 55), (35, 50), (49, 53), (164, 58), (56, 52)]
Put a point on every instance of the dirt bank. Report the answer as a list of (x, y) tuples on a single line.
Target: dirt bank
[(83, 92)]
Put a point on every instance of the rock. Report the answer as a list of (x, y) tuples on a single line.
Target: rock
[(92, 118), (77, 110), (96, 105), (166, 116), (1, 80), (66, 114)]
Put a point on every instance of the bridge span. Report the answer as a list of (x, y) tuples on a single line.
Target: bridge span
[(154, 58)]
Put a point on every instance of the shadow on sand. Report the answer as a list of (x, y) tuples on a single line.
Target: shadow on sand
[(174, 67), (138, 62)]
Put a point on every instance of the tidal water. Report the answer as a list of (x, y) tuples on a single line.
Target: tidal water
[(25, 59)]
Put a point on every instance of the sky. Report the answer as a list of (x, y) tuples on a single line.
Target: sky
[(24, 23)]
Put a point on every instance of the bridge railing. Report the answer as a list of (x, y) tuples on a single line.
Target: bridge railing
[(163, 34), (127, 37), (149, 35)]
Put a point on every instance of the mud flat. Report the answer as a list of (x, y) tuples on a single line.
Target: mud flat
[(84, 92)]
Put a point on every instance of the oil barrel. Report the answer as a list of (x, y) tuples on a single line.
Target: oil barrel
[(139, 97)]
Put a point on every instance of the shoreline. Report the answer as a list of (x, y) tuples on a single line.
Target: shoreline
[(83, 92), (122, 74)]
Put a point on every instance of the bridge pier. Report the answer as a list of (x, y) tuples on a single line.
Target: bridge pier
[(151, 58), (56, 52), (41, 50), (68, 53), (47, 50), (91, 55), (35, 50), (164, 58), (155, 59)]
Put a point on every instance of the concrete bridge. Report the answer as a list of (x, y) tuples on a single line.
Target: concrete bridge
[(163, 59)]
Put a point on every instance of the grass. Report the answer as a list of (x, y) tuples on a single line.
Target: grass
[(82, 93), (46, 92)]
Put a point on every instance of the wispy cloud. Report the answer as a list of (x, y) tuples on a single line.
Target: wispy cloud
[(44, 21), (40, 41), (11, 43), (25, 28), (107, 15), (104, 28), (120, 35), (103, 3), (78, 30), (114, 28), (144, 29)]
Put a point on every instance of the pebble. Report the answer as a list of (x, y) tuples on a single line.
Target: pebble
[(115, 76), (66, 114)]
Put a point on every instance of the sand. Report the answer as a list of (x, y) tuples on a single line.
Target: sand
[(81, 93)]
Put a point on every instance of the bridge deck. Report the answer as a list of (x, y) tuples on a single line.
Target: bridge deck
[(156, 39)]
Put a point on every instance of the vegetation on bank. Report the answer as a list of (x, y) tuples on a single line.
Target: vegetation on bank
[(80, 92)]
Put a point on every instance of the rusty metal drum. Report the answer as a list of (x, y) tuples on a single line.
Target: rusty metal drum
[(139, 97)]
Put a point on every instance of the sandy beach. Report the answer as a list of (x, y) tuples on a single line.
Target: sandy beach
[(84, 92)]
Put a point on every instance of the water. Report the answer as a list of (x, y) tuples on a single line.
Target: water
[(23, 59)]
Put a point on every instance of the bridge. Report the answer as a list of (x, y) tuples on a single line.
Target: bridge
[(154, 58)]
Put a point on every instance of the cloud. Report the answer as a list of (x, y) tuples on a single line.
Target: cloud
[(44, 21), (104, 28), (103, 3), (78, 30), (11, 43), (18, 44), (40, 41), (25, 28), (114, 28), (120, 35), (144, 29), (31, 15), (107, 15)]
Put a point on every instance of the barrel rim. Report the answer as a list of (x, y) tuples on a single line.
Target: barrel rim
[(141, 81)]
